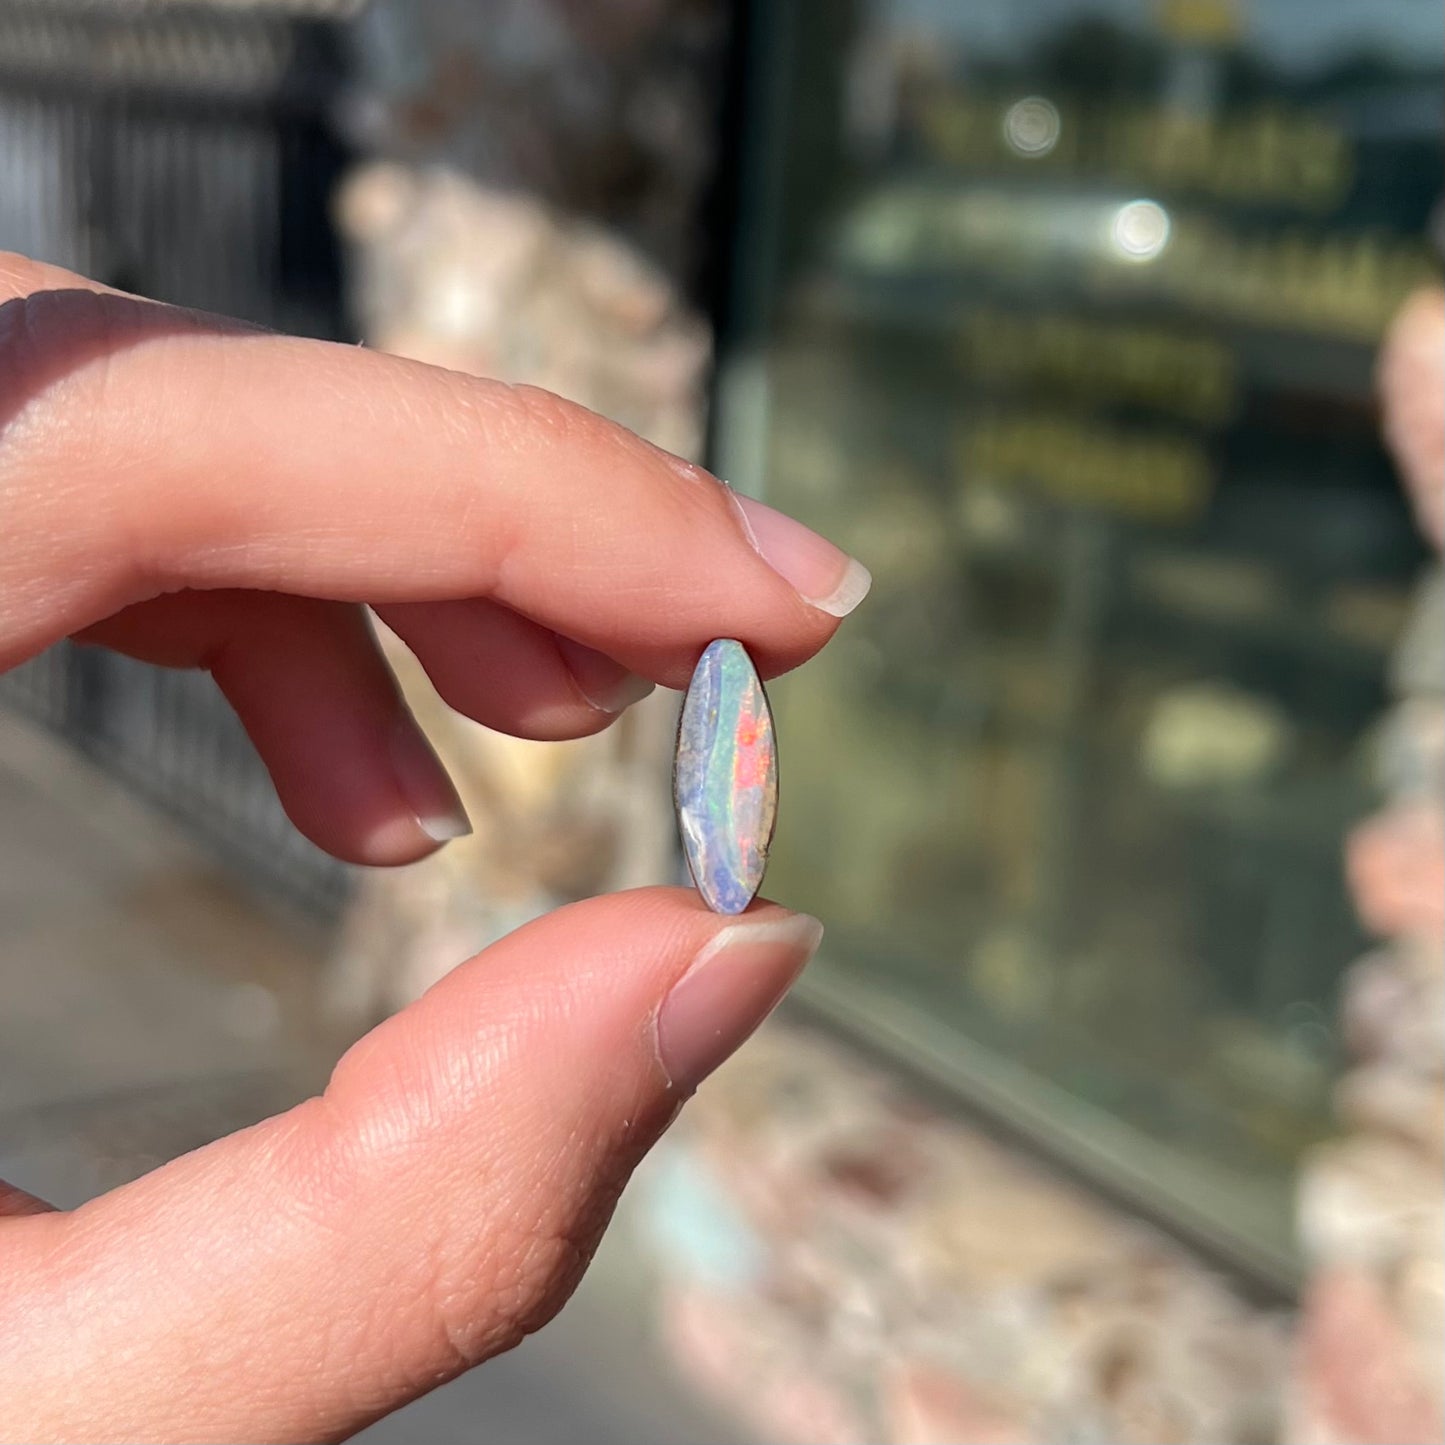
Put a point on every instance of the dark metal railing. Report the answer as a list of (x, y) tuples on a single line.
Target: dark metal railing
[(186, 151)]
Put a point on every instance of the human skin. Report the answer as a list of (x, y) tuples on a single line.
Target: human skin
[(196, 493)]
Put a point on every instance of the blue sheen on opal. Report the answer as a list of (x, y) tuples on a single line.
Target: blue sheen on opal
[(725, 782)]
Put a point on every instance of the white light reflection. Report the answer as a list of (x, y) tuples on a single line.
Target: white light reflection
[(1031, 127), (1140, 230)]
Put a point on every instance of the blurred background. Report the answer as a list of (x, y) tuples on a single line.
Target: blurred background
[(1108, 333)]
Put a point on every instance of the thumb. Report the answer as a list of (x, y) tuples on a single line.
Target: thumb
[(438, 1202)]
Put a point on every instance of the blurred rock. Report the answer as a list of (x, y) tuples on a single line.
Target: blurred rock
[(1394, 1008), (926, 1405), (1396, 865), (1397, 1102), (1370, 1200), (501, 284), (1418, 669), (755, 1360), (1412, 388), (1371, 1362), (934, 1285), (1410, 747), (607, 110), (1358, 1380)]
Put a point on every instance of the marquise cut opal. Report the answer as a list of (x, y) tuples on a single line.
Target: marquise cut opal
[(725, 782)]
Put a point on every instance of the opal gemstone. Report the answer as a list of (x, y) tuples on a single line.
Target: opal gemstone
[(725, 783)]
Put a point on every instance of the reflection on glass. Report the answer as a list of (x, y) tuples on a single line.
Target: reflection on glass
[(1140, 230), (1071, 342), (1031, 126)]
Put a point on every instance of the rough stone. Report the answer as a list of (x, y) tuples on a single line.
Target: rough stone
[(1358, 1381), (929, 1405), (935, 1282)]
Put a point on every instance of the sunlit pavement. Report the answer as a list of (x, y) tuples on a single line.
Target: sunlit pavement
[(147, 1005)]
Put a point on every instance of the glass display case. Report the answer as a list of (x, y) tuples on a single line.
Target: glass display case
[(1061, 315)]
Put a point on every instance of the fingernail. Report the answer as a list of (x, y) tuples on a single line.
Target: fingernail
[(733, 985), (607, 685), (425, 785), (822, 574)]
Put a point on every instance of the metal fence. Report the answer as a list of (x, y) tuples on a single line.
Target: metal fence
[(185, 151)]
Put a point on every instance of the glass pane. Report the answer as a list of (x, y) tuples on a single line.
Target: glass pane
[(1066, 315)]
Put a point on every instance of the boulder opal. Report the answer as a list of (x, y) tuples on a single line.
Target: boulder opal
[(726, 779)]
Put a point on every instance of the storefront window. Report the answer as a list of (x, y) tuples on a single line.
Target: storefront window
[(1061, 314)]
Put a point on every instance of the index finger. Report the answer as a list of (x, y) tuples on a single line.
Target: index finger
[(145, 449)]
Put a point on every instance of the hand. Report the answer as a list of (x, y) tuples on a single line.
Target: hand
[(199, 494)]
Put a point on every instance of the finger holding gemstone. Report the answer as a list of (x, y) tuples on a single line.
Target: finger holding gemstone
[(725, 780)]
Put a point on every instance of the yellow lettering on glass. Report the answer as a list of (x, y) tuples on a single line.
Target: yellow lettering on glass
[(1102, 362), (1267, 154), (1086, 463)]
